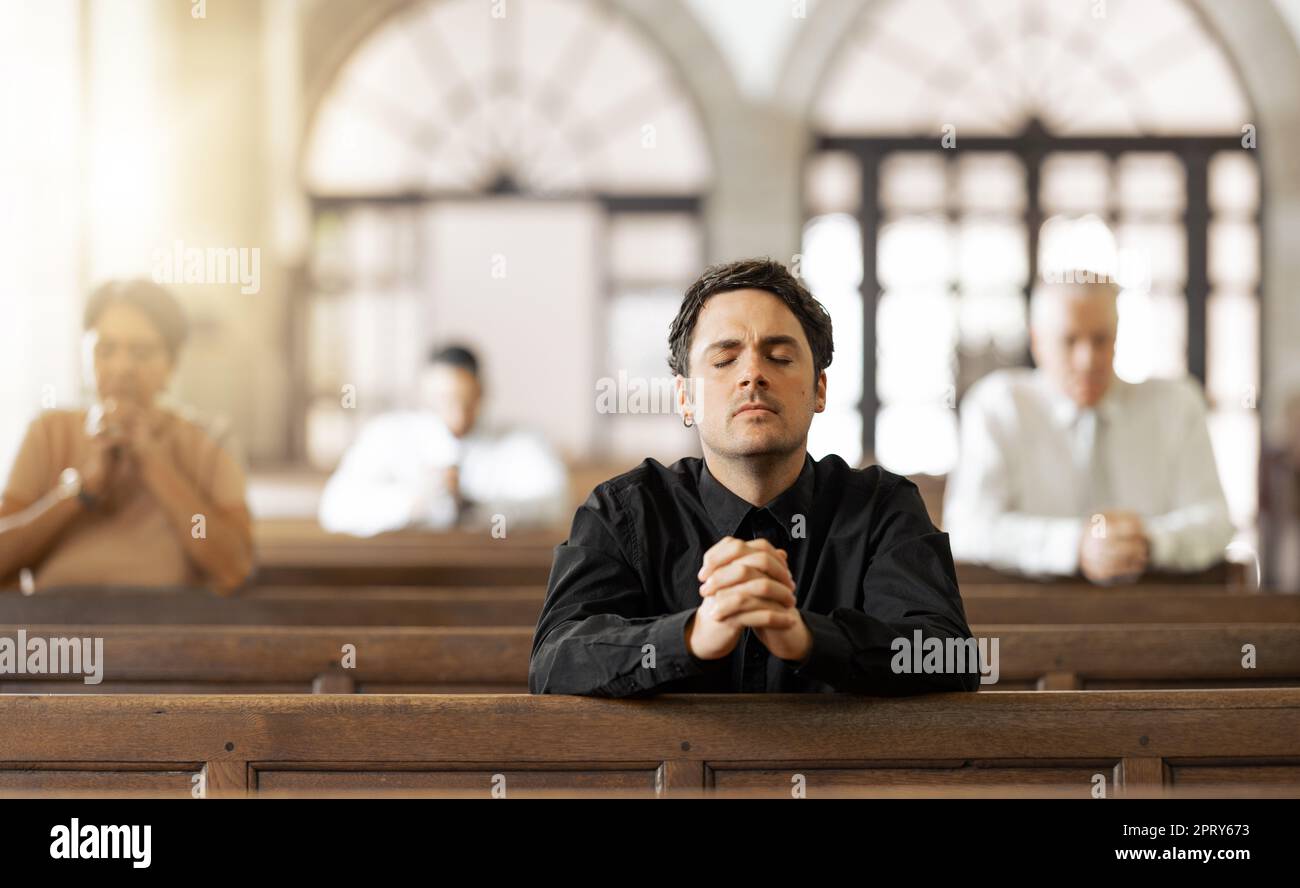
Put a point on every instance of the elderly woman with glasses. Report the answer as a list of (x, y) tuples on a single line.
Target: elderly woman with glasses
[(125, 493)]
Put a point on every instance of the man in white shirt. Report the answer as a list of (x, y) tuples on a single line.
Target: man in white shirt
[(1067, 469), (438, 467)]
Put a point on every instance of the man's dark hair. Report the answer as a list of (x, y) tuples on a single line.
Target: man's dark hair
[(751, 274), (156, 301), (455, 356)]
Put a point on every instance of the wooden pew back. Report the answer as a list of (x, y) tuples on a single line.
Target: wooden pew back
[(520, 606), (1239, 742), (452, 660), (297, 553)]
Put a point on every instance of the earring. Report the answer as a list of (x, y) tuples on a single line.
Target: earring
[(688, 421)]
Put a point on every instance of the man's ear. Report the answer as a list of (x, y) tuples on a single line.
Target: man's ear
[(681, 389), (821, 392)]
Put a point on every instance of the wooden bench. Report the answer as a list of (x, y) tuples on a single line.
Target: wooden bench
[(298, 553), (1125, 604), (1234, 742), (1124, 656), (521, 565), (520, 606), (281, 606), (505, 566), (259, 659), (1225, 574), (290, 659)]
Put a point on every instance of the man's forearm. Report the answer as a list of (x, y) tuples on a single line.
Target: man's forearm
[(1190, 538), (26, 537), (611, 656), (855, 652), (1032, 544), (223, 551)]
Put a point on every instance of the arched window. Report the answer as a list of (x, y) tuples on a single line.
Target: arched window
[(968, 146), (523, 182)]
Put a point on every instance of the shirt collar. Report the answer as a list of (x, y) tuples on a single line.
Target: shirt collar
[(1065, 412), (728, 511)]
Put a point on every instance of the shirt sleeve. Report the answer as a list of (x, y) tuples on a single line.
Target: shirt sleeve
[(362, 497), (910, 586), (226, 487), (594, 635), (977, 512), (1193, 534), (531, 484)]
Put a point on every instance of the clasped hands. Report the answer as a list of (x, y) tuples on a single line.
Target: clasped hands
[(747, 584), (125, 439), (1114, 548)]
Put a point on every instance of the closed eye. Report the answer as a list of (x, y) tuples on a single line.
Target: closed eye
[(722, 364)]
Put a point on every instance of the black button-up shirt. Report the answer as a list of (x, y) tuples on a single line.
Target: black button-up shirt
[(869, 568)]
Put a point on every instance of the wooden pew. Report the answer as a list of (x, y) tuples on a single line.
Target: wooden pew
[(294, 532), (520, 606), (255, 659), (1124, 656), (1224, 574), (280, 606), (521, 564), (504, 565), (1235, 743), (1125, 604), (298, 553), (290, 659)]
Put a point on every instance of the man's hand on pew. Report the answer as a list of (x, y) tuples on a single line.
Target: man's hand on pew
[(746, 583), (1114, 548)]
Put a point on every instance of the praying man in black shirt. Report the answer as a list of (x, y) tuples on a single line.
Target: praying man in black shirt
[(756, 568)]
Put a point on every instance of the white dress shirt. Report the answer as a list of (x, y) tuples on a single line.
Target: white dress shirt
[(392, 477), (1033, 467)]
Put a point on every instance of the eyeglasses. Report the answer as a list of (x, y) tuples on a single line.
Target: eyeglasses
[(139, 352)]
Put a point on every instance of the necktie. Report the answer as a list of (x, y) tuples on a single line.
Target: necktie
[(752, 666), (763, 525), (1096, 470)]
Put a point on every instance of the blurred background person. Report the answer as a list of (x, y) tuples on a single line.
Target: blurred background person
[(126, 492), (438, 466), (1066, 468)]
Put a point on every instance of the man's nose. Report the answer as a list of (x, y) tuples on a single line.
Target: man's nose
[(1085, 357), (751, 372)]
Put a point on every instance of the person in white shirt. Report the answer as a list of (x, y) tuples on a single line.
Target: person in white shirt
[(1067, 469), (438, 468)]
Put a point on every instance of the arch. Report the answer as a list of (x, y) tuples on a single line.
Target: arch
[(1112, 68), (662, 35)]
